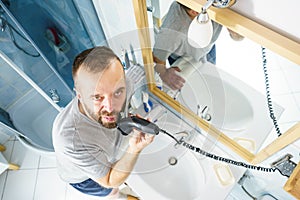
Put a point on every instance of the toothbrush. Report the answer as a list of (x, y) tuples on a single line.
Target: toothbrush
[(147, 103)]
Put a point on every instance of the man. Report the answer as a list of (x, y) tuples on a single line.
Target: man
[(90, 151), (171, 43)]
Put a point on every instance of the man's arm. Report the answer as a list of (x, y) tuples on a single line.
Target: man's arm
[(122, 169), (169, 76)]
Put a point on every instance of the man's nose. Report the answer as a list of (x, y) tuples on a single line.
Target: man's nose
[(108, 104)]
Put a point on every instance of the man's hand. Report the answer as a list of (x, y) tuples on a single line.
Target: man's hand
[(139, 141), (120, 171), (169, 76), (172, 79)]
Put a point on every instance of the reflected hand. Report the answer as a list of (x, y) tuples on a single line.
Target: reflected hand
[(172, 79)]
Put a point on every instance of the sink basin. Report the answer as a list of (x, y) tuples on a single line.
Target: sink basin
[(166, 171), (229, 108), (235, 108), (170, 173)]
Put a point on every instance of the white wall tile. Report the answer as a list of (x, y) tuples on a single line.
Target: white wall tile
[(20, 184), (4, 137), (297, 99), (292, 75), (2, 182), (49, 186), (273, 60), (291, 112), (286, 64), (47, 162), (278, 83), (8, 151), (273, 134), (25, 158)]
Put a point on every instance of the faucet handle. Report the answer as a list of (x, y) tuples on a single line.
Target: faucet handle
[(54, 95), (52, 91), (184, 136)]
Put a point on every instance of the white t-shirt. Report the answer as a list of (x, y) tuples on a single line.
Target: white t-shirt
[(83, 147)]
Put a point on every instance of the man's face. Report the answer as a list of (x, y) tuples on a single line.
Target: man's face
[(102, 95)]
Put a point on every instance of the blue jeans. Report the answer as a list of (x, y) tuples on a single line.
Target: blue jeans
[(211, 56), (90, 187)]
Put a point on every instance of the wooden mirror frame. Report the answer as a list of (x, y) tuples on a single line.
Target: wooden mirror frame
[(258, 33)]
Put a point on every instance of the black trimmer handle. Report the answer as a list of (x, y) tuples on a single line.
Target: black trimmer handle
[(126, 125)]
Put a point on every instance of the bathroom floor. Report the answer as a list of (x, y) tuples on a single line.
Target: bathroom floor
[(37, 178)]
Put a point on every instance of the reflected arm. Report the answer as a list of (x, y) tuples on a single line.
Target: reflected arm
[(169, 76), (160, 66)]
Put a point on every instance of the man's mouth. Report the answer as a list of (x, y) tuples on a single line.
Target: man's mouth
[(109, 118)]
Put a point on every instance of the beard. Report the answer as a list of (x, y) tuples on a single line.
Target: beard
[(105, 118), (111, 124), (100, 117)]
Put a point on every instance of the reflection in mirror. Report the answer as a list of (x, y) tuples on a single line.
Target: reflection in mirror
[(241, 110), (237, 88), (247, 62)]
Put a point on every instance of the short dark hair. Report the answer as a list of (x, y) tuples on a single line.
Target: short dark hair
[(94, 60)]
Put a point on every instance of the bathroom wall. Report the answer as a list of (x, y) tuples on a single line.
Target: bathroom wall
[(282, 17), (118, 21)]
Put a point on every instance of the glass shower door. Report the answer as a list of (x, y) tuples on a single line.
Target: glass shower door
[(21, 53)]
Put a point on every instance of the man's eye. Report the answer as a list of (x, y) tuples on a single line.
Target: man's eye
[(119, 93), (97, 98)]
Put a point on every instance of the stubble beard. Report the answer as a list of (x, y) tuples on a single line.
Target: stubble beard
[(109, 125)]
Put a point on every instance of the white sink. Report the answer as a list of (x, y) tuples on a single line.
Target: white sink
[(229, 107), (164, 171), (155, 178), (223, 101), (236, 109)]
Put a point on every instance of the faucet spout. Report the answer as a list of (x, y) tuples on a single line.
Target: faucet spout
[(183, 136)]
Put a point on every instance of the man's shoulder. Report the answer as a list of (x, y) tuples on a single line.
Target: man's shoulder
[(64, 119), (175, 17)]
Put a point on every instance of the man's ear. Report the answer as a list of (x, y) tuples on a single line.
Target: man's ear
[(193, 13), (77, 93)]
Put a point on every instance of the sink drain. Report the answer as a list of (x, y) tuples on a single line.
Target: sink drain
[(172, 161)]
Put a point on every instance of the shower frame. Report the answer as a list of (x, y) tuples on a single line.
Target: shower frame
[(22, 73)]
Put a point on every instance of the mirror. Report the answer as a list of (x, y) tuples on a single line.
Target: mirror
[(235, 95)]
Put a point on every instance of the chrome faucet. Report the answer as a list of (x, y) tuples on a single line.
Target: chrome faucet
[(54, 95), (203, 112), (183, 135)]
